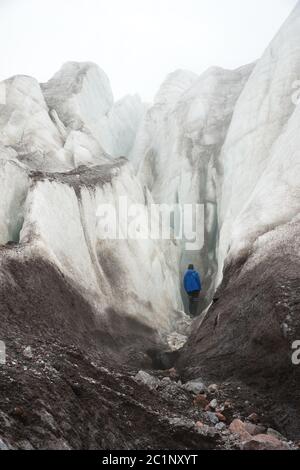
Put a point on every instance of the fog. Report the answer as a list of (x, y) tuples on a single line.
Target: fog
[(136, 42)]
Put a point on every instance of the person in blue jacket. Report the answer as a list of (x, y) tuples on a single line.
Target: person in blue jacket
[(193, 287)]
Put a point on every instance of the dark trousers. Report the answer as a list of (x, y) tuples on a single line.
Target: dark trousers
[(194, 303)]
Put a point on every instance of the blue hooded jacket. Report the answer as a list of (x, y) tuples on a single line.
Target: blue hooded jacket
[(192, 281)]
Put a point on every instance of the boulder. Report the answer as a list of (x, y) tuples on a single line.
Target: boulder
[(213, 404), (220, 426), (201, 401), (254, 429), (264, 442), (144, 378), (221, 417), (213, 388), (195, 386), (273, 432), (212, 417), (238, 427)]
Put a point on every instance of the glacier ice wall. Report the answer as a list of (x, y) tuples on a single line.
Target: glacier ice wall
[(59, 144), (251, 329), (133, 277), (261, 154)]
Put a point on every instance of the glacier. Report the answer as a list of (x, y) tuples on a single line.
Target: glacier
[(226, 139)]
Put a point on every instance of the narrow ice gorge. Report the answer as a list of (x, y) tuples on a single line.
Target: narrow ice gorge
[(178, 146)]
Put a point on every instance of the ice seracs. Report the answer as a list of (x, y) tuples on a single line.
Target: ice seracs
[(26, 127), (81, 95)]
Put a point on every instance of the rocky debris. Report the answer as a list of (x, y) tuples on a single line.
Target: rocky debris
[(172, 390), (28, 352), (217, 412), (195, 386), (182, 423), (206, 430), (70, 400), (144, 378), (252, 437), (176, 341), (168, 388)]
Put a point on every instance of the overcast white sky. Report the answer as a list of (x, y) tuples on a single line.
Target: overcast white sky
[(136, 42)]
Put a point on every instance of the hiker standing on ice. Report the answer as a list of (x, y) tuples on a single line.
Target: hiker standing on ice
[(192, 285)]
